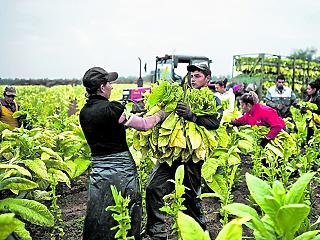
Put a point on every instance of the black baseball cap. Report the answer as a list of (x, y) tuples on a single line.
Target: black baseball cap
[(96, 76), (200, 67)]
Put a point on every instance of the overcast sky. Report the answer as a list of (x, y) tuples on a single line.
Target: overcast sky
[(63, 38)]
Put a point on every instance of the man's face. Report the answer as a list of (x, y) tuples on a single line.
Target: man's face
[(280, 83), (9, 98), (198, 80)]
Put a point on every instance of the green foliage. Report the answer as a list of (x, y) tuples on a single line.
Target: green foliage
[(284, 211), (29, 210), (233, 230), (120, 214), (174, 201), (189, 228)]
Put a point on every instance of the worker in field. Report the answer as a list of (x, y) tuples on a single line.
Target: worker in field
[(260, 115), (281, 98), (103, 123), (227, 98), (313, 96), (158, 185), (9, 106)]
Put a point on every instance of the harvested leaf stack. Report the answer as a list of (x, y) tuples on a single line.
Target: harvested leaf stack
[(177, 138)]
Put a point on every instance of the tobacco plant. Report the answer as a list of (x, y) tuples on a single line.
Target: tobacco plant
[(174, 201), (120, 214), (283, 211)]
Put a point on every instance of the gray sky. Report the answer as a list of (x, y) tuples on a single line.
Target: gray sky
[(63, 38)]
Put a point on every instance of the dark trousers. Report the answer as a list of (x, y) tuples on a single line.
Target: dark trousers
[(158, 186)]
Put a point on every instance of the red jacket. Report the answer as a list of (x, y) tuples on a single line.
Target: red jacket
[(262, 115)]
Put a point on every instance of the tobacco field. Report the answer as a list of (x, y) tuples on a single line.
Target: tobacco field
[(248, 192)]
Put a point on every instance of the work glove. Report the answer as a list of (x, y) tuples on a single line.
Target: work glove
[(234, 123), (303, 110), (264, 141), (184, 111)]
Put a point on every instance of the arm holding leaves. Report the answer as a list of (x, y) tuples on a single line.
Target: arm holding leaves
[(143, 123)]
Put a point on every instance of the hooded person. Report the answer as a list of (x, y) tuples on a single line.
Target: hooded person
[(9, 106), (103, 123)]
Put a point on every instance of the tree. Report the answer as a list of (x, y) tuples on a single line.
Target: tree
[(306, 54)]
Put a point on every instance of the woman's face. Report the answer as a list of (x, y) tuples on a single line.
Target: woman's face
[(245, 106), (310, 90), (220, 89), (106, 89)]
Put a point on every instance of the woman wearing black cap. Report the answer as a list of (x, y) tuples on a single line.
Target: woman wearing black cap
[(103, 123)]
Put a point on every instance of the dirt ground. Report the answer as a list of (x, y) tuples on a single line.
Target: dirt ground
[(73, 205)]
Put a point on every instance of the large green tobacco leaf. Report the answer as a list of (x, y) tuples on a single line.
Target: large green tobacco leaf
[(29, 210), (21, 230), (59, 176), (308, 235), (189, 228), (295, 194), (290, 217), (275, 150), (170, 122), (194, 136), (278, 192), (233, 230), (7, 225), (242, 210), (59, 165), (38, 167), (17, 183), (219, 185), (20, 169), (210, 167), (78, 166), (49, 152), (259, 189)]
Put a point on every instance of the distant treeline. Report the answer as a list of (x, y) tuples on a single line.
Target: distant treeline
[(52, 82)]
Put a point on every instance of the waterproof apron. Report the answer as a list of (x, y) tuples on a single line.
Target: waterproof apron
[(116, 169)]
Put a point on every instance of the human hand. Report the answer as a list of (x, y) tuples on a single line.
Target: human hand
[(184, 111), (303, 110), (264, 141)]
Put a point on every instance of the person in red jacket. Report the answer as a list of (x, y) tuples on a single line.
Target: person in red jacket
[(260, 115)]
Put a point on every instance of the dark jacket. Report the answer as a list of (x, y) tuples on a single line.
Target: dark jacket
[(99, 122)]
